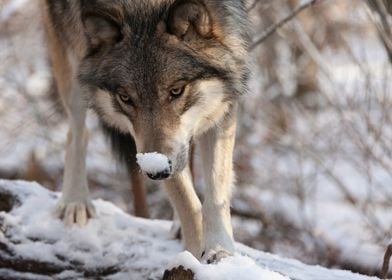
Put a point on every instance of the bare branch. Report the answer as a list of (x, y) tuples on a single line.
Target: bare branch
[(272, 29), (255, 211), (382, 24), (387, 258)]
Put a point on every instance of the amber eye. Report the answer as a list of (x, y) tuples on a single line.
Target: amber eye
[(125, 98), (176, 92)]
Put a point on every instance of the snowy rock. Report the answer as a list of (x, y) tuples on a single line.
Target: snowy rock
[(231, 268), (115, 246)]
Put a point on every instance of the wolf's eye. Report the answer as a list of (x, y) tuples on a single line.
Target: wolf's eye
[(125, 98), (176, 92)]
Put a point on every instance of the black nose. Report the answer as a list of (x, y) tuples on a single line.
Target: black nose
[(161, 175)]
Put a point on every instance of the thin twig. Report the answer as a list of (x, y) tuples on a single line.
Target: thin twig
[(256, 213), (272, 29), (387, 258), (382, 24)]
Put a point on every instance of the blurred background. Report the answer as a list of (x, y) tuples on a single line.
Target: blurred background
[(314, 147)]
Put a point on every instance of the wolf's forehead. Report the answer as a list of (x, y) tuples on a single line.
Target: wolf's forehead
[(149, 4), (144, 18), (130, 4), (144, 10)]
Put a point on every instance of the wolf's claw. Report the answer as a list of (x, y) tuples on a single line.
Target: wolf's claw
[(75, 213), (213, 257)]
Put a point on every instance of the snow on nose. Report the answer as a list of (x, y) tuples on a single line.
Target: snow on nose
[(157, 166)]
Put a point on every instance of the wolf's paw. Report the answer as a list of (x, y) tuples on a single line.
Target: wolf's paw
[(213, 257), (75, 213)]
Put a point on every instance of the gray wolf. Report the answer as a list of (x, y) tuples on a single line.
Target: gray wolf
[(159, 74)]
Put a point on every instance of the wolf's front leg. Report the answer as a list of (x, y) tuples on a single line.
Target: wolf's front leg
[(217, 154), (75, 206), (188, 207)]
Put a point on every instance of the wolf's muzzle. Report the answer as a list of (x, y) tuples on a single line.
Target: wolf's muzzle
[(161, 175)]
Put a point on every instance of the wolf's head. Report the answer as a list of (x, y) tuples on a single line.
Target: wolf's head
[(164, 71)]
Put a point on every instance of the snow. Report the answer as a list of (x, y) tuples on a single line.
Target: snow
[(153, 162), (113, 239), (231, 268), (117, 242), (287, 184), (10, 9)]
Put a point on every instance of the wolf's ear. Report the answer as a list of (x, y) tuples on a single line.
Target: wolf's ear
[(189, 18), (101, 31)]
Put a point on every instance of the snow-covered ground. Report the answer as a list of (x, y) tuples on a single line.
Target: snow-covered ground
[(318, 191), (115, 245)]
